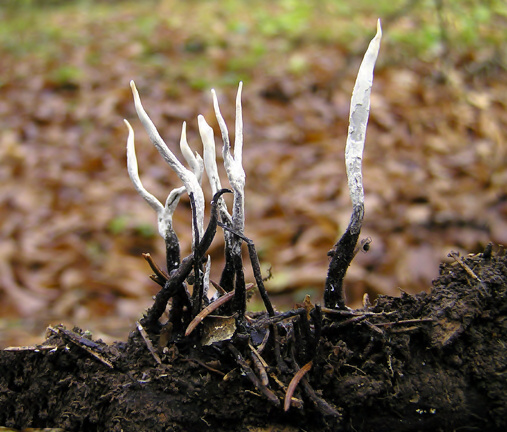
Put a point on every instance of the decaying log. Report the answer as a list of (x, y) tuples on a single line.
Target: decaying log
[(428, 362)]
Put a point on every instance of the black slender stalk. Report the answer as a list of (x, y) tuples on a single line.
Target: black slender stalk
[(228, 273), (341, 258), (175, 285), (172, 251), (180, 298), (197, 294), (254, 259), (316, 315), (239, 301)]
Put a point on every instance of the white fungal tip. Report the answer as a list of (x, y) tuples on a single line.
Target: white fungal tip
[(215, 101), (184, 133), (135, 93), (130, 141), (379, 28), (204, 127)]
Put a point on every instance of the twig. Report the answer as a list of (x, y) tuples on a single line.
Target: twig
[(35, 348), (343, 312), (260, 364), (204, 365), (265, 322), (252, 377), (323, 406), (211, 308), (159, 273), (454, 255), (403, 322), (148, 342), (218, 287), (350, 312), (374, 328), (83, 343), (294, 382), (265, 339), (352, 320)]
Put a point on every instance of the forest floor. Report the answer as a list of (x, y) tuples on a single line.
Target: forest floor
[(72, 228), (427, 362)]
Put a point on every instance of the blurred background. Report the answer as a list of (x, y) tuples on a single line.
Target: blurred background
[(72, 228)]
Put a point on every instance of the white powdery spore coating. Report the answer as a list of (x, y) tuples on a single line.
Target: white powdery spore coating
[(359, 112), (188, 177)]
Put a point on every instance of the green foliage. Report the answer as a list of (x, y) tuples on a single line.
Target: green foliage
[(239, 37), (453, 27), (121, 224), (146, 230), (118, 225), (66, 74)]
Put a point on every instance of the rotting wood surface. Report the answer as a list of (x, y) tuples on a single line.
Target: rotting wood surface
[(432, 361)]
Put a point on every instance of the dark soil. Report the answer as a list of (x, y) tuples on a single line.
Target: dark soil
[(429, 362)]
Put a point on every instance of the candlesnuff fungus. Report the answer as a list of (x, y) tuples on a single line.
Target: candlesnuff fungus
[(233, 271), (298, 338), (164, 213), (190, 179), (232, 275), (343, 252)]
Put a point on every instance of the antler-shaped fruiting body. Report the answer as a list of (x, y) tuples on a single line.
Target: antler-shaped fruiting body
[(210, 165), (233, 164), (187, 312), (190, 179), (164, 213), (194, 161), (359, 111), (236, 175)]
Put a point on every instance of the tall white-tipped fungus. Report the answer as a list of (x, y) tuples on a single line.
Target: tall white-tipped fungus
[(188, 177), (358, 120), (164, 213), (234, 164)]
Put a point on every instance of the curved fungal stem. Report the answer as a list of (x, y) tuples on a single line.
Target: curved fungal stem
[(189, 178), (343, 252)]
